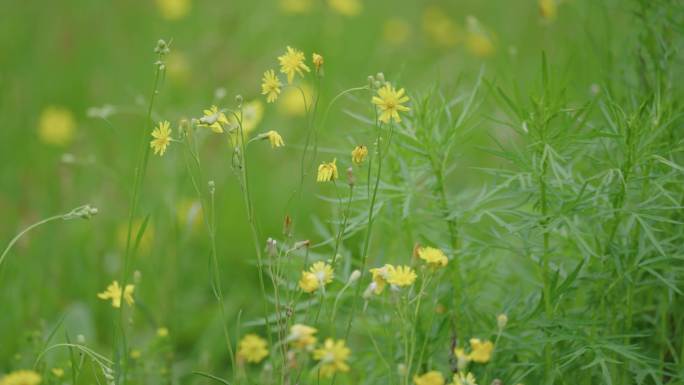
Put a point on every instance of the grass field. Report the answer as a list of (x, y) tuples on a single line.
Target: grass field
[(342, 192)]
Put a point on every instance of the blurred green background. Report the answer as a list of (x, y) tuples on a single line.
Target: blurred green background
[(61, 59)]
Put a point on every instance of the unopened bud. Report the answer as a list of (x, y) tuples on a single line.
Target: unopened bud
[(502, 320), (350, 177), (355, 275), (301, 244), (287, 226), (212, 186), (272, 247), (239, 100)]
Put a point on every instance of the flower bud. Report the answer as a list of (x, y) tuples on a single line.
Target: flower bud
[(355, 275), (501, 320)]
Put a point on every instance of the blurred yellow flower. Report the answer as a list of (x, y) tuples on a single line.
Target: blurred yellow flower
[(292, 62), (327, 171), (462, 378), (21, 377), (317, 61), (135, 354), (333, 356), (178, 67), (302, 336), (250, 115), (380, 276), (346, 7), (270, 86), (296, 6), (433, 256), (478, 40), (501, 320), (481, 351), (189, 214), (113, 292), (548, 9), (401, 276), (173, 9), (359, 154), (252, 348), (146, 240), (214, 119), (275, 139), (308, 282), (56, 126), (57, 372), (462, 359), (295, 100), (430, 378), (439, 28), (396, 31), (389, 101), (162, 138), (162, 332)]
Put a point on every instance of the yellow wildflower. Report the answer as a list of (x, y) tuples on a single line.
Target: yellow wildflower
[(441, 29), (389, 101), (548, 9), (21, 377), (162, 138), (396, 31), (359, 154), (147, 240), (250, 115), (302, 336), (56, 126), (308, 282), (291, 63), (296, 100), (173, 9), (57, 372), (401, 276), (214, 119), (296, 6), (135, 354), (178, 68), (162, 332), (346, 7), (430, 378), (380, 276), (333, 356), (462, 359), (275, 139), (462, 378), (252, 348), (113, 292), (478, 41), (270, 86), (481, 351), (327, 171), (433, 256), (317, 61)]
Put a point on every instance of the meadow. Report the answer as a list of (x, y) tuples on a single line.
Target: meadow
[(365, 192)]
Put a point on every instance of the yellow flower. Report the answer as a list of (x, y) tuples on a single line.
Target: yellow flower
[(21, 377), (389, 101), (359, 154), (57, 372), (401, 276), (327, 171), (440, 28), (56, 126), (162, 332), (250, 114), (380, 276), (214, 119), (317, 61), (308, 282), (113, 292), (135, 354), (481, 351), (252, 348), (333, 356), (430, 378), (396, 31), (162, 138), (346, 7), (147, 240), (302, 336), (434, 257), (548, 9), (295, 101), (477, 40), (296, 6), (173, 9), (270, 86), (292, 62), (275, 139), (461, 378), (178, 67), (462, 359)]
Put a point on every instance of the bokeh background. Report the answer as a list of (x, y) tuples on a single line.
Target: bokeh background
[(75, 77)]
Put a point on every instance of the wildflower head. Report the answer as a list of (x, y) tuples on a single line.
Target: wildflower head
[(333, 356), (162, 332), (113, 293), (308, 282), (291, 63), (380, 276), (323, 272), (433, 256), (57, 372), (462, 378), (270, 86), (389, 102), (214, 119), (161, 138), (252, 348), (302, 336), (401, 276), (432, 377), (173, 9), (478, 41), (56, 126), (317, 61), (548, 9), (481, 351), (346, 7), (21, 377), (275, 139), (327, 171), (359, 154)]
